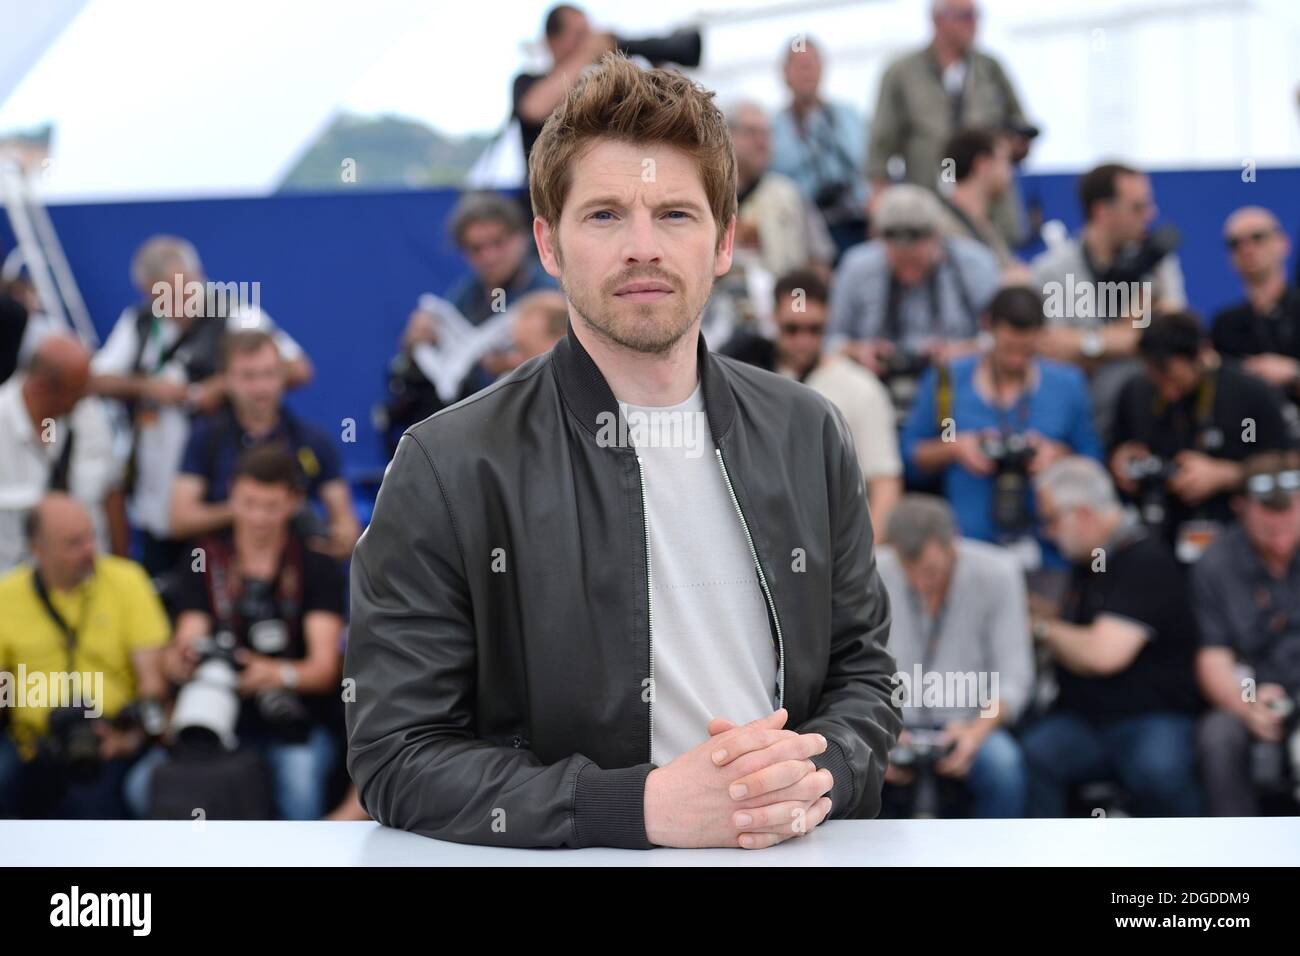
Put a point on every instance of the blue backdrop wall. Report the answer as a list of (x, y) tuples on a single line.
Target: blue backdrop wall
[(341, 271)]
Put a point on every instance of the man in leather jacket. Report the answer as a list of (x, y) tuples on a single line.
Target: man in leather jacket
[(578, 620)]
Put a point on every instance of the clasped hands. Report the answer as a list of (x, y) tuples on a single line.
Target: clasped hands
[(749, 786)]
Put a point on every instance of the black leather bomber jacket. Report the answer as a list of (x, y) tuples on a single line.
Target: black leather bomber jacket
[(500, 642)]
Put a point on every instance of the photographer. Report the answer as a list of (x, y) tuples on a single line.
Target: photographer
[(959, 607), (820, 144), (574, 46), (1183, 429), (1262, 332), (160, 361), (89, 625), (280, 605), (911, 295), (1096, 286), (255, 382), (1123, 645), (988, 423), (1246, 592)]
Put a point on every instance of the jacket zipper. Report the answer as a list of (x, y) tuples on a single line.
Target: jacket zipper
[(762, 580), (649, 640)]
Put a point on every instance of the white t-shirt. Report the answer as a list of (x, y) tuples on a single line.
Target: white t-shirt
[(28, 459), (713, 650), (161, 443), (868, 410)]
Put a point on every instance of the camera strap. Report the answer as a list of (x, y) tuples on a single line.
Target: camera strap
[(67, 630), (1202, 409), (224, 585), (893, 299)]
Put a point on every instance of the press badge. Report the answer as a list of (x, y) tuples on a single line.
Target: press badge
[(1193, 538)]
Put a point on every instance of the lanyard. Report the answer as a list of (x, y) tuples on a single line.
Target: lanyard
[(68, 631)]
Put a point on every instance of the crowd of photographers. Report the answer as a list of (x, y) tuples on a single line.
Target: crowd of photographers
[(1086, 499)]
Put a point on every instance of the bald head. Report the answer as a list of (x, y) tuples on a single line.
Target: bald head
[(1256, 245), (58, 376), (62, 540)]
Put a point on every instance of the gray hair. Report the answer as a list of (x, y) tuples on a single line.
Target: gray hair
[(1078, 482), (916, 521), (734, 109), (160, 258), (907, 206)]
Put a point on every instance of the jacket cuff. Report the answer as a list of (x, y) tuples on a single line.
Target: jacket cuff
[(842, 802), (609, 807)]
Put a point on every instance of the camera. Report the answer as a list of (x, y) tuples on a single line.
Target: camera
[(72, 743), (1011, 453), (208, 706), (925, 747), (684, 47), (1137, 261), (1271, 764), (901, 372), (1151, 474)]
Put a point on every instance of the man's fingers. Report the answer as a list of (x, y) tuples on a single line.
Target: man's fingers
[(753, 736), (720, 725), (792, 747), (805, 790), (778, 776), (793, 827)]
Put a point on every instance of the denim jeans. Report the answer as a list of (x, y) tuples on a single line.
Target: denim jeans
[(39, 789), (300, 775), (1153, 756), (996, 783)]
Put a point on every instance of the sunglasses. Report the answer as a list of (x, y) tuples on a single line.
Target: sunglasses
[(906, 234), (1284, 482), (1236, 242), (803, 328)]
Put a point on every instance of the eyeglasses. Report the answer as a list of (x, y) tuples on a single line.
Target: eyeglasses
[(1236, 242), (906, 234), (802, 328)]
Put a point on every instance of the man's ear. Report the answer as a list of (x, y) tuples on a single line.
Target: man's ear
[(722, 261), (547, 241)]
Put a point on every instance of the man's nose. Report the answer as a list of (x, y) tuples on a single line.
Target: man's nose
[(640, 240)]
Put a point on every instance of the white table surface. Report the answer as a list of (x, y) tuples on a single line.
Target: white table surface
[(1077, 842)]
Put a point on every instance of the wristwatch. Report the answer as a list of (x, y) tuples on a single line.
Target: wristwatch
[(1092, 346), (288, 676), (1041, 628)]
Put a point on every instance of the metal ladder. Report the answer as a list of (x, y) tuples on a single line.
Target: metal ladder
[(38, 248)]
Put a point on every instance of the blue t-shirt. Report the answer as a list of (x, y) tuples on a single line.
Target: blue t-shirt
[(1058, 408), (217, 440)]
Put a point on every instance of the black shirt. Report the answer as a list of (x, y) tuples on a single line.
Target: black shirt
[(321, 588), (1143, 582), (1242, 607), (1212, 419), (1240, 331), (13, 323), (529, 130)]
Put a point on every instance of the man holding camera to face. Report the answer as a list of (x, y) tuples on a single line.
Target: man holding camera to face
[(259, 615)]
